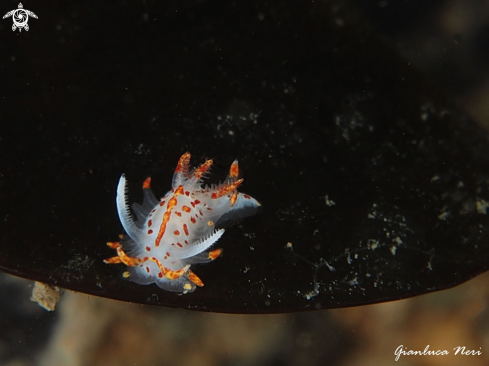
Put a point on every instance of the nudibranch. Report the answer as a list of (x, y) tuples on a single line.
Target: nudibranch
[(169, 235)]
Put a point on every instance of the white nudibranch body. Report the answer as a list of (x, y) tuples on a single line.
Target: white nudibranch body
[(169, 235)]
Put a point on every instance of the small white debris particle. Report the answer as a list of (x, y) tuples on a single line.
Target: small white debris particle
[(330, 267), (353, 282), (311, 294), (328, 201), (481, 206), (393, 250), (348, 257), (397, 240), (372, 244), (444, 215)]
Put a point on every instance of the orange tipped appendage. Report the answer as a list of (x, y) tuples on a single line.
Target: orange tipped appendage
[(113, 260), (200, 171), (147, 183), (171, 275), (130, 261), (193, 277), (234, 197), (227, 188), (183, 164), (113, 244), (215, 253), (123, 257), (234, 170), (166, 216)]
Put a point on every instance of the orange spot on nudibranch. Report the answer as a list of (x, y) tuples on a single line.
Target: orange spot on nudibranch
[(150, 222), (162, 203), (179, 214), (186, 209), (187, 193), (185, 229), (150, 231), (180, 245), (196, 202), (193, 220), (148, 249), (176, 232)]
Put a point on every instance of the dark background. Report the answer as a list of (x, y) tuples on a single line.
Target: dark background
[(310, 99)]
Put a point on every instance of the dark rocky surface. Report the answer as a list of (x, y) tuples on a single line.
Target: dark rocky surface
[(318, 111)]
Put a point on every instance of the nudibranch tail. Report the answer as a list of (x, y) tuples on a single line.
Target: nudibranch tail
[(170, 235)]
